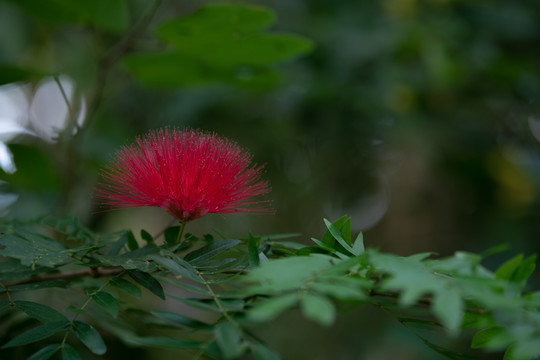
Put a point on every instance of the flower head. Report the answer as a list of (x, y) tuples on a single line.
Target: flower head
[(188, 173)]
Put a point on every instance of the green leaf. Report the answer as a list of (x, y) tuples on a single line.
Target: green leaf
[(163, 342), (242, 54), (136, 259), (212, 351), (4, 306), (446, 352), (45, 353), (409, 275), (125, 286), (70, 225), (118, 244), (229, 339), (180, 320), (472, 320), (38, 333), (172, 69), (187, 287), (69, 353), (339, 238), (524, 270), (525, 349), (290, 273), (32, 249), (39, 285), (233, 32), (253, 250), (233, 50), (274, 238), (10, 267), (318, 308), (448, 306), (148, 281), (328, 238), (329, 249), (107, 302), (269, 309), (76, 310), (171, 234), (132, 243), (209, 304), (506, 270), (492, 337), (40, 312), (287, 244), (218, 18), (220, 266), (346, 231), (510, 355), (263, 352), (149, 239), (178, 260), (358, 245), (89, 337), (209, 251), (495, 250), (461, 264), (176, 267), (339, 291)]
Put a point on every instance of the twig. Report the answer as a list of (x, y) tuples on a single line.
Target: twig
[(105, 64), (218, 303), (115, 53), (72, 322)]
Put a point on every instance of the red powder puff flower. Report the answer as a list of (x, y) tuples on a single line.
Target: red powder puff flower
[(188, 173)]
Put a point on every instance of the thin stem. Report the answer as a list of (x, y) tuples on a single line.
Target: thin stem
[(112, 55), (71, 114), (216, 300), (180, 232), (199, 353), (82, 308), (105, 64)]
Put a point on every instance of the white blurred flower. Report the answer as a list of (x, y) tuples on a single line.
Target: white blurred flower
[(13, 120), (44, 112), (13, 110), (6, 159), (51, 105)]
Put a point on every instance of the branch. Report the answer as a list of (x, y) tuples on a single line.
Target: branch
[(112, 55), (95, 272)]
